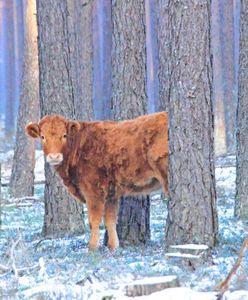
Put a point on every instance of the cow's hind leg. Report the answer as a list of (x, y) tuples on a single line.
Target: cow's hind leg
[(95, 214), (163, 178), (111, 213)]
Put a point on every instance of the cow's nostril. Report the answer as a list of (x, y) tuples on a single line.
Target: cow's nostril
[(54, 158)]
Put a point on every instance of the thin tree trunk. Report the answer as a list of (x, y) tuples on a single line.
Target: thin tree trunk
[(227, 56), (163, 53), (102, 45), (129, 100), (63, 215), (152, 62), (10, 70), (22, 175), (192, 213), (19, 29), (241, 204), (2, 62), (218, 85)]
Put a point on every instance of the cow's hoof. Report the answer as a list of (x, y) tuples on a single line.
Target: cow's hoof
[(113, 246), (92, 246)]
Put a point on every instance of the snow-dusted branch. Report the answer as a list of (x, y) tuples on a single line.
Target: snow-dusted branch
[(223, 286)]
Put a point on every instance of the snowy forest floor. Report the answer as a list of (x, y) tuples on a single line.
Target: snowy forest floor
[(38, 268)]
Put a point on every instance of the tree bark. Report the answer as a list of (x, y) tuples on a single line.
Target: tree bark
[(192, 216), (2, 63), (22, 175), (81, 49), (152, 62), (129, 100), (102, 45), (218, 90), (10, 70), (59, 89), (163, 53), (241, 204), (228, 75)]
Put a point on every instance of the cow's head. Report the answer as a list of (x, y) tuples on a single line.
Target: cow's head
[(54, 132)]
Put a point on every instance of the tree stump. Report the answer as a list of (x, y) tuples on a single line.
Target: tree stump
[(191, 255), (150, 285)]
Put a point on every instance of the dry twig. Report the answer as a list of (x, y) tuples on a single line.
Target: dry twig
[(224, 285)]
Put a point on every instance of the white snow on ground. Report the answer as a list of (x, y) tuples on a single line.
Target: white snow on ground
[(65, 262)]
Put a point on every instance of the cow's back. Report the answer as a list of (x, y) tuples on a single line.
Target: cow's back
[(137, 149)]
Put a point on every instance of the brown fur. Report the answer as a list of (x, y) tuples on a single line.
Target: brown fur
[(103, 161)]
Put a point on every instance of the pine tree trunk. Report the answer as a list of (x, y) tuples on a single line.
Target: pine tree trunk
[(228, 77), (81, 50), (241, 204), (152, 62), (10, 70), (192, 206), (22, 175), (58, 90), (218, 85), (2, 64), (129, 101), (102, 37), (163, 53)]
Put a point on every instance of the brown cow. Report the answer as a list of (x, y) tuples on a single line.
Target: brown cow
[(101, 161)]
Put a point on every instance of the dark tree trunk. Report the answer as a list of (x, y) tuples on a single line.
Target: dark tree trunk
[(129, 100), (58, 92), (163, 53), (81, 53), (241, 204), (22, 175), (192, 213)]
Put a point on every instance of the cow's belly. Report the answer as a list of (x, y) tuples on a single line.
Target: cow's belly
[(139, 187)]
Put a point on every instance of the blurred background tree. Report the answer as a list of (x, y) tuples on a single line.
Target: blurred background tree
[(22, 174), (241, 205)]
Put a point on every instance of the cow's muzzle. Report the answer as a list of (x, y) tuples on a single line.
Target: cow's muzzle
[(54, 159)]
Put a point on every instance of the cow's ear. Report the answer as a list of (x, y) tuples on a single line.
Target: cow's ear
[(73, 127), (33, 130)]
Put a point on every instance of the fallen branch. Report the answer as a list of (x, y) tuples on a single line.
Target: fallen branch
[(18, 200), (20, 271), (21, 202), (6, 184), (224, 285), (19, 205), (4, 268), (42, 240)]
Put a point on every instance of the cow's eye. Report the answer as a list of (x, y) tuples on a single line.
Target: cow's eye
[(65, 136), (42, 137)]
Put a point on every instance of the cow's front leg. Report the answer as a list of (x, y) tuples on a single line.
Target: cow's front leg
[(110, 216), (95, 214)]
